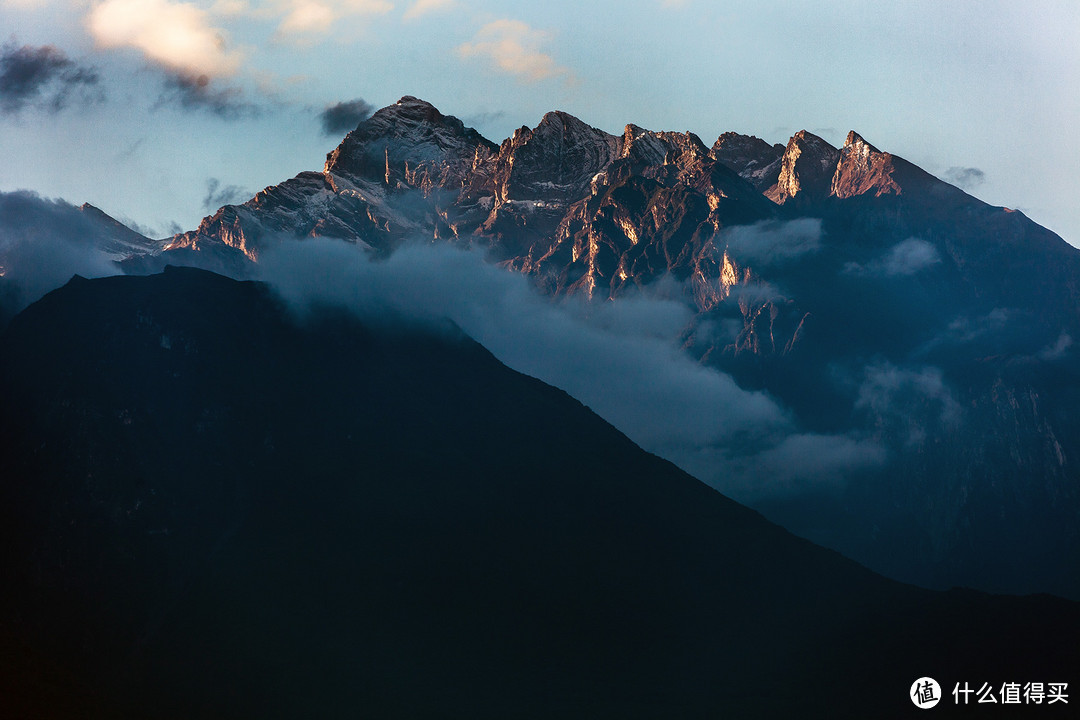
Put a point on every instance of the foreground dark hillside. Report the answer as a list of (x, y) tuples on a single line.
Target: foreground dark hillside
[(208, 509)]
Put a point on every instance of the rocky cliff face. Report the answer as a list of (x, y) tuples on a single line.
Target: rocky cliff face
[(577, 207), (869, 298), (755, 160), (805, 170)]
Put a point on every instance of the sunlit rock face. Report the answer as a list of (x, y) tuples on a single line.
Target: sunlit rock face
[(863, 294), (805, 171), (581, 209)]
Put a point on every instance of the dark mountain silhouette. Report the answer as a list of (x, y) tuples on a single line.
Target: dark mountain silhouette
[(211, 509)]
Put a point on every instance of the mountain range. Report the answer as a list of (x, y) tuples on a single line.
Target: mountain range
[(269, 470), (918, 341)]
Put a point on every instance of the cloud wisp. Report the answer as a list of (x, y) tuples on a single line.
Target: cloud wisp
[(966, 178), (45, 77), (196, 94), (42, 244), (514, 47), (218, 195), (420, 8), (622, 359), (906, 258), (917, 400), (303, 19), (343, 117), (771, 242)]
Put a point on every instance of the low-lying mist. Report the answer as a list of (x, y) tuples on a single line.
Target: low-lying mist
[(621, 358), (624, 358)]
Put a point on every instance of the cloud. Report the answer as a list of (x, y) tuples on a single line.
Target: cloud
[(310, 17), (42, 244), (305, 16), (913, 400), (231, 8), (800, 463), (623, 359), (424, 7), (217, 196), (907, 257), (773, 243), (195, 94), (910, 256), (42, 76), (176, 35), (343, 117), (964, 330), (482, 119), (967, 178), (1059, 349), (514, 47)]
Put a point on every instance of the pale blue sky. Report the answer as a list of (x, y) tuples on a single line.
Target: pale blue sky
[(993, 86)]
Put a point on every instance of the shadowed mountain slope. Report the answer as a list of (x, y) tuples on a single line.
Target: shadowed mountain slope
[(208, 508)]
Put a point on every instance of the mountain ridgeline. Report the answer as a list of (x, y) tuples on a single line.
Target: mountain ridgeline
[(872, 301)]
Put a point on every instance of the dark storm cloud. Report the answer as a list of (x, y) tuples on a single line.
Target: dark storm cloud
[(43, 76), (218, 195), (967, 178), (773, 243), (198, 94), (622, 359), (42, 244), (343, 117)]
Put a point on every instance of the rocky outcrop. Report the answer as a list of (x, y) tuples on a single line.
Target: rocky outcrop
[(755, 160), (806, 170)]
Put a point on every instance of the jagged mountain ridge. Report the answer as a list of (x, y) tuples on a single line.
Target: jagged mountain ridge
[(901, 276), (583, 211), (566, 202)]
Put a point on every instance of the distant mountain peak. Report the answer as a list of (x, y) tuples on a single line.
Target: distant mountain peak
[(120, 241), (662, 148), (863, 169), (806, 169), (555, 160), (755, 160), (857, 141), (409, 143)]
